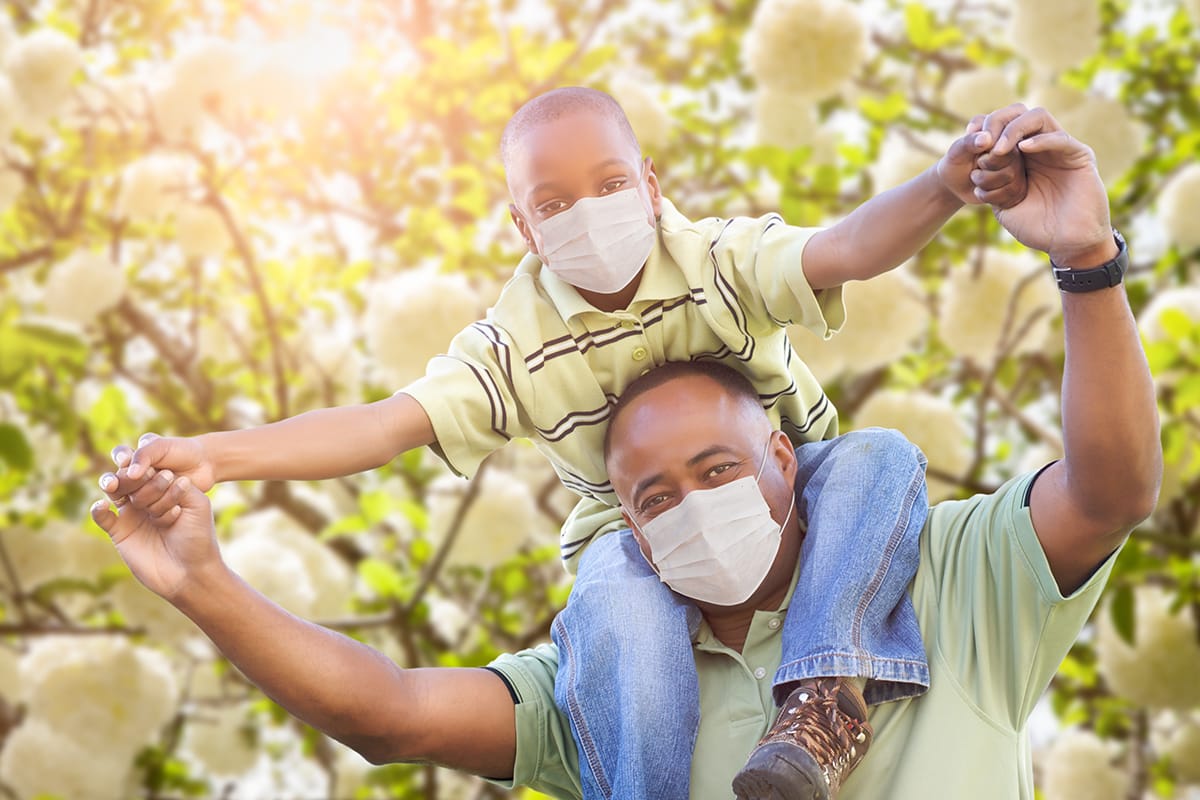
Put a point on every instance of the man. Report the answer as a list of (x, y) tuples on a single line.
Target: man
[(1005, 581)]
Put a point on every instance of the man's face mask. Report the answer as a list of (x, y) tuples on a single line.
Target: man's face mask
[(718, 544), (600, 243)]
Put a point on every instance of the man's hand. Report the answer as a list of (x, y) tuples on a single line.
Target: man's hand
[(974, 175), (1065, 210), (185, 457), (164, 533)]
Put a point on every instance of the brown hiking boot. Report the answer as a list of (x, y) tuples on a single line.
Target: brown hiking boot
[(818, 739)]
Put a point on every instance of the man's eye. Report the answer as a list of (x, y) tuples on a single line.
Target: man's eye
[(720, 468), (612, 186), (651, 502)]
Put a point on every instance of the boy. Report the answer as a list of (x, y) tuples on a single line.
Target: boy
[(616, 282)]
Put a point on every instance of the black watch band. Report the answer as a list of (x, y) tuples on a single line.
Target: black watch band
[(1102, 277)]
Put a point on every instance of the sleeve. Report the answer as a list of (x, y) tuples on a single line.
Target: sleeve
[(1002, 625), (471, 396), (759, 262), (547, 758)]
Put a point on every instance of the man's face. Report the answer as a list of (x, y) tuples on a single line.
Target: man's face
[(584, 154), (691, 434)]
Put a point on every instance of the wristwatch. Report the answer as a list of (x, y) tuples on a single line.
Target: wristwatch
[(1107, 274)]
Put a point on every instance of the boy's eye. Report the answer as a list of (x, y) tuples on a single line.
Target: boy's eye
[(552, 207), (612, 185)]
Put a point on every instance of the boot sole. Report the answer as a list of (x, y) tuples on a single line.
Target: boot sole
[(780, 771)]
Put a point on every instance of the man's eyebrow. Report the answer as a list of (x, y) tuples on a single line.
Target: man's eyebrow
[(708, 452)]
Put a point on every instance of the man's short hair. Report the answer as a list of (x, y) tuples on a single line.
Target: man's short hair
[(733, 382), (558, 103)]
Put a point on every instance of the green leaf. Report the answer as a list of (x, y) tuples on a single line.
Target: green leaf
[(14, 447), (1121, 612), (381, 577)]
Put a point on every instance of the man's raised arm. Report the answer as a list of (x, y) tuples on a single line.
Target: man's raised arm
[(337, 685), (1083, 506)]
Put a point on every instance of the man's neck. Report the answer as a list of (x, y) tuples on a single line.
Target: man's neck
[(731, 625)]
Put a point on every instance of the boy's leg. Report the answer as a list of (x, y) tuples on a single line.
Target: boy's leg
[(863, 498), (627, 676)]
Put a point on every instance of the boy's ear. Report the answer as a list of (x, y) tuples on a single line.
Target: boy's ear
[(522, 227), (655, 189)]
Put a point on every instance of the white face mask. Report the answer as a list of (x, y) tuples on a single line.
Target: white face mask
[(718, 544), (600, 243)]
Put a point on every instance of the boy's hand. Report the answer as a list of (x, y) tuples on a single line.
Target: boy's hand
[(183, 456), (164, 533), (973, 174)]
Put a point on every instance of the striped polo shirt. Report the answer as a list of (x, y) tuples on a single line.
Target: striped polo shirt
[(547, 365)]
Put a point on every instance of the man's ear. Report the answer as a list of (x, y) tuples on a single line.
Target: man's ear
[(655, 189), (643, 545), (522, 228)]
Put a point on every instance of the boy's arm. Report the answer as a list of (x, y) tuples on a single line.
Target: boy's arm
[(461, 718), (326, 443), (893, 226)]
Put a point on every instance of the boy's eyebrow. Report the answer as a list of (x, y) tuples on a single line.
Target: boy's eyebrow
[(708, 452), (603, 165)]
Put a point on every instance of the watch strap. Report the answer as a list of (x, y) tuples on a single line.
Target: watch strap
[(1104, 276)]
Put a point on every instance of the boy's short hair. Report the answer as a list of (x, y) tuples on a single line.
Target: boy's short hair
[(733, 382), (558, 103)]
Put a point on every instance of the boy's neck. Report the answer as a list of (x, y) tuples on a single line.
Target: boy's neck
[(617, 301)]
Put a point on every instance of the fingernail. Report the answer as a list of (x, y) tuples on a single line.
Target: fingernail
[(167, 475), (99, 505), (119, 457), (981, 139), (106, 480)]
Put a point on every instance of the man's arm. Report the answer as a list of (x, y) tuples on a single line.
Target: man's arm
[(460, 718), (1083, 506), (894, 225)]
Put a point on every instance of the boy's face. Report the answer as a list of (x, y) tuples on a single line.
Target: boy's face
[(583, 154)]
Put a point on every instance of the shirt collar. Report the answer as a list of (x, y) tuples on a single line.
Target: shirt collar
[(704, 639), (662, 279)]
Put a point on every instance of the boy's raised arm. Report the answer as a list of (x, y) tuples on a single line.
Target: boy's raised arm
[(894, 225), (325, 443)]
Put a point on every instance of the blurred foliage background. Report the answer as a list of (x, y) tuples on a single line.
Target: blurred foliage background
[(217, 213)]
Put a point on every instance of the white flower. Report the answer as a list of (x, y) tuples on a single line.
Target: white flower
[(82, 287), (929, 422), (1183, 300), (884, 317), (496, 525), (207, 68), (1177, 736), (1079, 765), (274, 570), (809, 47), (1159, 669), (273, 81), (39, 760), (37, 556), (646, 114), (351, 768), (900, 159), (329, 577), (201, 231), (448, 619), (178, 114), (1058, 35), (1179, 207), (153, 186), (1108, 128), (413, 316), (790, 121), (978, 91), (83, 685), (1193, 7), (10, 108), (221, 740), (142, 608), (1011, 301), (1056, 98), (42, 66)]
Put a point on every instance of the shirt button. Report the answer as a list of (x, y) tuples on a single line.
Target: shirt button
[(628, 323), (639, 353), (774, 623), (760, 673)]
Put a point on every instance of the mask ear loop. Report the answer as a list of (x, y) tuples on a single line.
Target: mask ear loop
[(762, 466)]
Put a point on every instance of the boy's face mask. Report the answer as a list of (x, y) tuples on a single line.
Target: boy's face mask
[(599, 244), (717, 545)]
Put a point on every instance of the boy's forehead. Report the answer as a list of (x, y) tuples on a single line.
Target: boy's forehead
[(572, 143)]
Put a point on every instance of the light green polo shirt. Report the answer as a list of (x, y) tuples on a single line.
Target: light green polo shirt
[(996, 629), (546, 365)]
